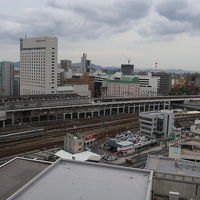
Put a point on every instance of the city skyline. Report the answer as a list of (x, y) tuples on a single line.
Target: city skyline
[(110, 32)]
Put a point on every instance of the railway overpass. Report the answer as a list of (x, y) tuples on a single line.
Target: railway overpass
[(37, 108), (187, 106)]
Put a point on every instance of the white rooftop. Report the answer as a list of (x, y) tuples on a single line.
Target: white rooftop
[(197, 121), (65, 88), (193, 112), (125, 143), (73, 180), (83, 156)]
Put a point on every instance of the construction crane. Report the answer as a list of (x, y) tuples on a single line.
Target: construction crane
[(129, 59)]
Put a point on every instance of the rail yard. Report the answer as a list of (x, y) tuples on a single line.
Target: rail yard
[(49, 135), (30, 123)]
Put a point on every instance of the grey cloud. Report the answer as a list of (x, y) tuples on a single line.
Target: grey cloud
[(78, 20), (181, 11), (108, 12), (86, 19)]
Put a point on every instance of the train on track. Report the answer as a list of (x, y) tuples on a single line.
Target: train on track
[(21, 135)]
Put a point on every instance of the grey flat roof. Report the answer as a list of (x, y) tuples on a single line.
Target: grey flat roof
[(73, 180), (172, 166), (16, 173)]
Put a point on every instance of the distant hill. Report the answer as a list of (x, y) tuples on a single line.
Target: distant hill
[(111, 69)]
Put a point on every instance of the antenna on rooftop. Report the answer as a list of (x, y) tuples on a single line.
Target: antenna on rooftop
[(156, 66)]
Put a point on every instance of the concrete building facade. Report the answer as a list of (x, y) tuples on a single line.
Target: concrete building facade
[(6, 79), (66, 64), (165, 83), (38, 64), (148, 85), (73, 143), (171, 175), (159, 123), (125, 87), (83, 63)]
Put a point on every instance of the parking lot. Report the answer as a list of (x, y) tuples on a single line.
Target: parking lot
[(123, 145)]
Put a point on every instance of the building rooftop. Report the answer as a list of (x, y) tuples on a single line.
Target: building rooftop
[(124, 143), (193, 112), (82, 156), (172, 166), (68, 88), (18, 172), (67, 179), (126, 80)]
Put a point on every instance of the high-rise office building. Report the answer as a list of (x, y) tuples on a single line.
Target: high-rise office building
[(66, 65), (127, 69), (165, 83), (6, 79), (38, 65), (83, 63), (86, 65)]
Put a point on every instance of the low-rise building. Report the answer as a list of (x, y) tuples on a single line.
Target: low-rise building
[(157, 123), (82, 90), (73, 143), (187, 150), (125, 87), (173, 175), (166, 122), (148, 84)]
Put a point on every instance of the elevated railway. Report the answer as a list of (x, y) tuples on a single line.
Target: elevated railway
[(45, 108)]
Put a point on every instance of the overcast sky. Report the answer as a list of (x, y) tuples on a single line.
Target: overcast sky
[(109, 31)]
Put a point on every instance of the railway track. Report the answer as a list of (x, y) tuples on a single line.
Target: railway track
[(53, 137), (139, 161), (39, 131), (67, 123)]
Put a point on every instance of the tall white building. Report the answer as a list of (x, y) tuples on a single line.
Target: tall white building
[(38, 59)]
